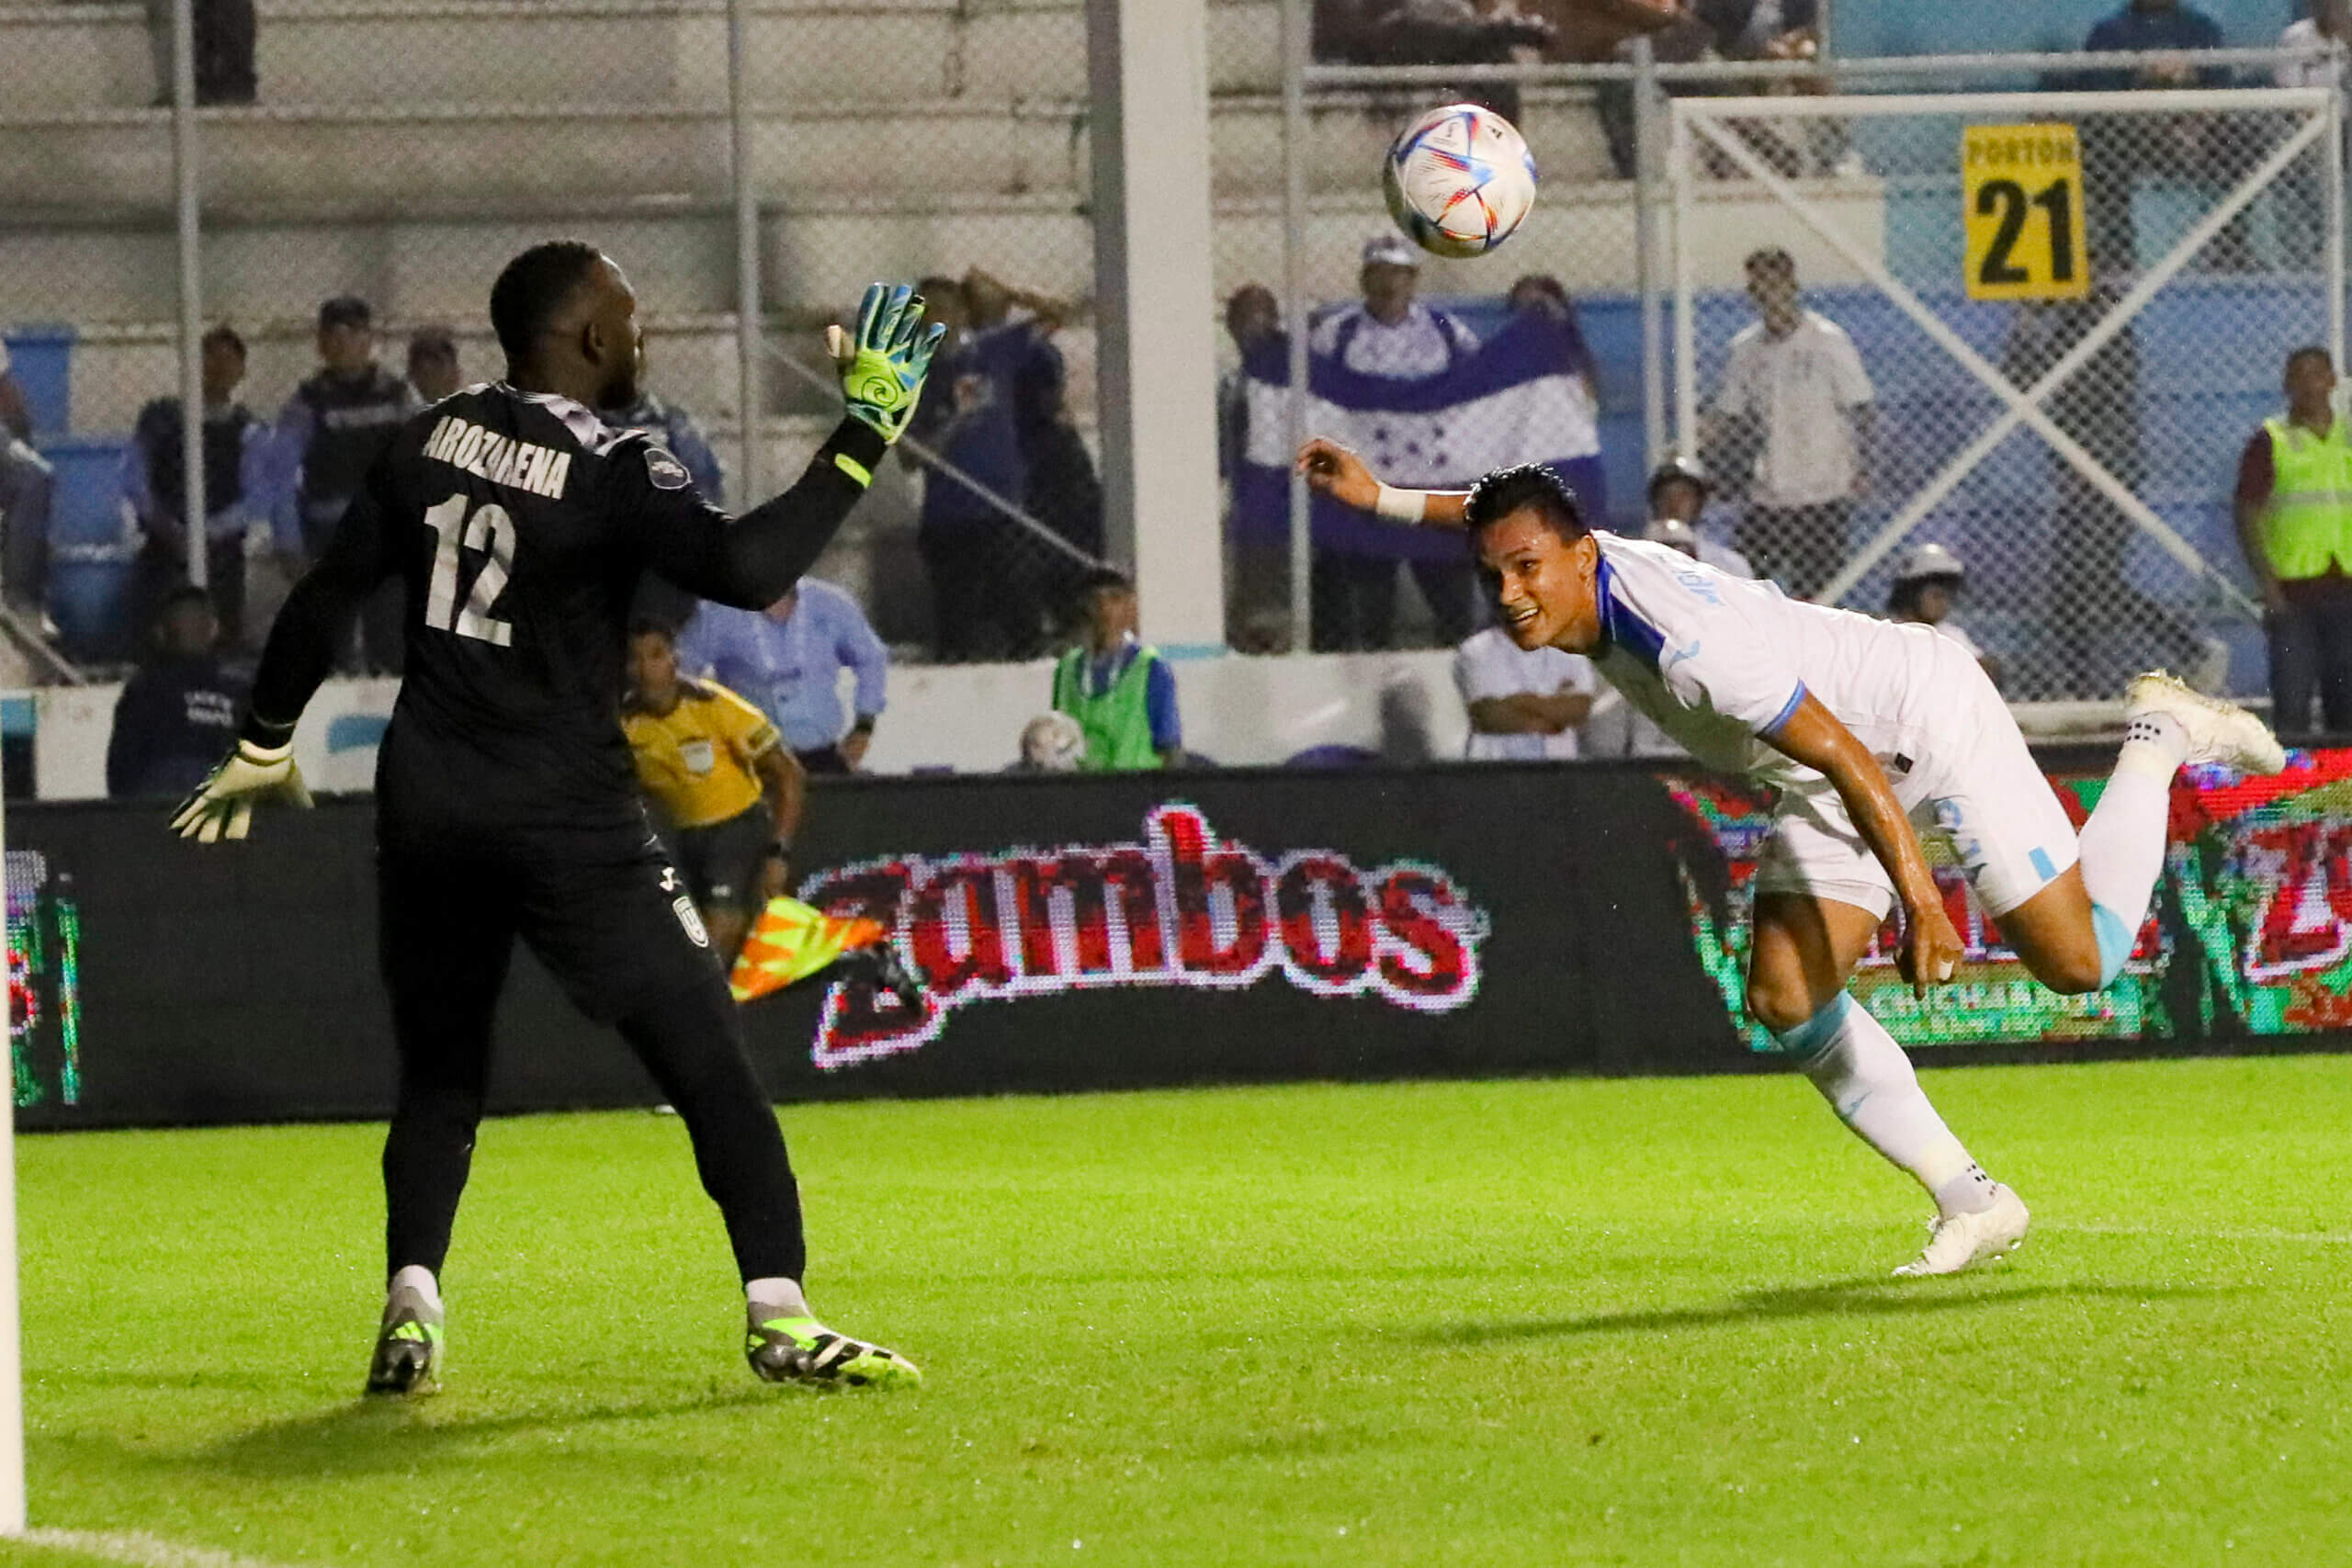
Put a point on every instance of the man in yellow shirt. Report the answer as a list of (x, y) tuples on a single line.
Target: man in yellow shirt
[(727, 792)]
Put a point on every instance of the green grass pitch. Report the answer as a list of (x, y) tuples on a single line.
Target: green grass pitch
[(1541, 1323)]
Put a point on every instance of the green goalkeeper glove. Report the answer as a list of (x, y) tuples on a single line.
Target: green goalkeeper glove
[(222, 805), (884, 363)]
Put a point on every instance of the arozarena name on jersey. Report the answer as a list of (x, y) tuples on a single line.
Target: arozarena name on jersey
[(500, 459), (1181, 907)]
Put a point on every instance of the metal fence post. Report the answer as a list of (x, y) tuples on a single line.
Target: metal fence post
[(1295, 22), (747, 253), (2332, 178), (1645, 161), (1686, 334), (184, 175)]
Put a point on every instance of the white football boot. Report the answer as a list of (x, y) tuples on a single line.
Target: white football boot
[(2218, 730), (1959, 1240)]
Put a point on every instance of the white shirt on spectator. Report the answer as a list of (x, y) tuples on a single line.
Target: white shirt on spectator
[(1488, 664), (1423, 344), (1950, 629), (1801, 386), (1723, 558), (2315, 65)]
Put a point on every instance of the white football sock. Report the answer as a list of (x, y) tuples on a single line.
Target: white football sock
[(775, 1297), (418, 1278), (2122, 846), (1867, 1080)]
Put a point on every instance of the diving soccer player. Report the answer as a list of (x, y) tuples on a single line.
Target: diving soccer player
[(1861, 727), (506, 806)]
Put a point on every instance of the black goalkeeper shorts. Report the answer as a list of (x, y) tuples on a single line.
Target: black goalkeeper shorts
[(613, 923)]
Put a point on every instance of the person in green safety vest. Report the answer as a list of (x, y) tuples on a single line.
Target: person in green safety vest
[(1122, 693), (2294, 516)]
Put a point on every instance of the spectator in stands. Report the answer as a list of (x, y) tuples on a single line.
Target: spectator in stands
[(2214, 151), (225, 35), (2294, 517), (1678, 489), (1388, 333), (2320, 42), (1122, 693), (1927, 591), (787, 660), (433, 370), (26, 485), (1524, 704), (1061, 489), (1253, 321), (1577, 443), (327, 437), (1795, 399), (1257, 594), (678, 430), (1725, 29), (236, 458), (983, 586), (178, 713), (1436, 32)]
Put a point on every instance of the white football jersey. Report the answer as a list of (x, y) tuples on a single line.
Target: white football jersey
[(1719, 661)]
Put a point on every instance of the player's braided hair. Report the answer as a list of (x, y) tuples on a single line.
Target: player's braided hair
[(1505, 490), (533, 288)]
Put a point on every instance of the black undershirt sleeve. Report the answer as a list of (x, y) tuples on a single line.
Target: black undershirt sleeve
[(751, 561), (318, 614)]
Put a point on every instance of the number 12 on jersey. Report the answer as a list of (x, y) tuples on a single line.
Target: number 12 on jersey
[(2021, 210), (490, 531)]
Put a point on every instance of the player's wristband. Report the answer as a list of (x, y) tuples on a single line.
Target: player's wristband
[(1405, 506), (781, 848), (268, 735), (854, 450)]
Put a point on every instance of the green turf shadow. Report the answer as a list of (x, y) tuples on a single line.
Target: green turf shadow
[(1862, 1297), (371, 1435)]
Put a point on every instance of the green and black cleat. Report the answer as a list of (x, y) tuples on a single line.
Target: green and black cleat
[(408, 1347), (801, 1349)]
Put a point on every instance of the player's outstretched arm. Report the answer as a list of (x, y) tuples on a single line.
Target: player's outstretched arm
[(1814, 736), (1341, 474), (751, 562)]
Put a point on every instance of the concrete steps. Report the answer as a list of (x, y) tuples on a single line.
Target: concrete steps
[(58, 58), (930, 152)]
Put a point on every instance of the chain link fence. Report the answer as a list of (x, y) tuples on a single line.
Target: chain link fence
[(1572, 261), (398, 151), (2067, 312)]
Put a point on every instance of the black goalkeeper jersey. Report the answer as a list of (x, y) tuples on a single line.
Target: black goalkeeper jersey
[(521, 525)]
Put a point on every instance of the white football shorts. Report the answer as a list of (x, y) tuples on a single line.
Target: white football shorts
[(1987, 798)]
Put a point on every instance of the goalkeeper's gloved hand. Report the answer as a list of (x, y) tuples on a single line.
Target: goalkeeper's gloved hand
[(222, 805), (883, 364)]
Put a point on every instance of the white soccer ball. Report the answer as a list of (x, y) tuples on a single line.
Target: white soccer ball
[(1459, 180)]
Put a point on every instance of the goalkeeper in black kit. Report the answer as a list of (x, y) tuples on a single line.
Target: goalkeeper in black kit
[(506, 804)]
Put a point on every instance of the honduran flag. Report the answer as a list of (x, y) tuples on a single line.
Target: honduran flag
[(1516, 399)]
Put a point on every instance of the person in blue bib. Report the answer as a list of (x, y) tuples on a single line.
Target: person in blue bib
[(1120, 690)]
